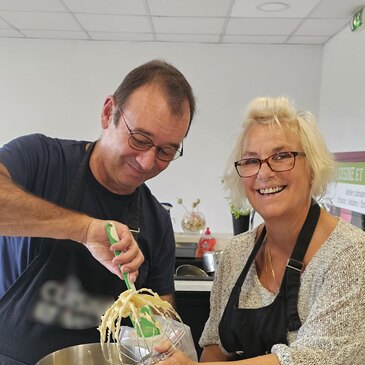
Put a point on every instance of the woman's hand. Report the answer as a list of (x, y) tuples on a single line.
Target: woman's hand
[(177, 358), (174, 356), (130, 258)]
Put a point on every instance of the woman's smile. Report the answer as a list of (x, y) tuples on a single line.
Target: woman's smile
[(271, 190)]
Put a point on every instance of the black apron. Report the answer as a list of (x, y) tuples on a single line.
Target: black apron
[(58, 299), (252, 332)]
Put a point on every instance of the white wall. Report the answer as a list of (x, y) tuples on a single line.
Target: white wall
[(342, 103), (58, 88)]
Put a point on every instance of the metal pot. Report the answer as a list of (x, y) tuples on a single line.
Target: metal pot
[(190, 270), (91, 354), (211, 261)]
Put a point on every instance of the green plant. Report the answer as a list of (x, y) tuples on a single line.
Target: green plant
[(239, 211), (194, 205)]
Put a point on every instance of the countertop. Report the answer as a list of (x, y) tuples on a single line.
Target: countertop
[(221, 238), (193, 285), (196, 285)]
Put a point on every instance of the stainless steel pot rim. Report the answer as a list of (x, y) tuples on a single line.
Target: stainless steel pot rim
[(211, 261), (91, 354), (190, 270), (213, 253)]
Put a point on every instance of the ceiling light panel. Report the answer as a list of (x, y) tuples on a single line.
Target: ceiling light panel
[(321, 27), (10, 33), (188, 25), (274, 26), (4, 24), (47, 34), (202, 8), (114, 23), (41, 20), (194, 38), (273, 7), (254, 39), (307, 40), (32, 5), (296, 9), (332, 9), (126, 7), (119, 36)]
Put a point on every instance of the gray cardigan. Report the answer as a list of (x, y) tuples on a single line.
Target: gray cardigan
[(331, 301)]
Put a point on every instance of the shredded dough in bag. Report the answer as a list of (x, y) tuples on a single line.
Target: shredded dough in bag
[(130, 304)]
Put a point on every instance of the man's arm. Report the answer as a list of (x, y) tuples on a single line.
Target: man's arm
[(23, 214)]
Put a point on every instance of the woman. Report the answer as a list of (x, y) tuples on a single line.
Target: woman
[(292, 290)]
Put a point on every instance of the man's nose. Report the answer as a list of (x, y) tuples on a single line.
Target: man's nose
[(147, 159)]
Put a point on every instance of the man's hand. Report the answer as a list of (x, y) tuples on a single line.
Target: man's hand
[(130, 258)]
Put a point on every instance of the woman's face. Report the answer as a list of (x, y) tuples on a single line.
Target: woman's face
[(276, 194)]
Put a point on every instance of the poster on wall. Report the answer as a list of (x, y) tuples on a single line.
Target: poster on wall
[(349, 190), (346, 197)]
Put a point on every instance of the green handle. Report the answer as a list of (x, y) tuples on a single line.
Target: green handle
[(146, 328), (113, 238)]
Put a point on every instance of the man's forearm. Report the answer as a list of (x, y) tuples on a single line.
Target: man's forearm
[(22, 214)]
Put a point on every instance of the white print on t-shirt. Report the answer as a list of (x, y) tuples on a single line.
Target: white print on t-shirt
[(67, 304)]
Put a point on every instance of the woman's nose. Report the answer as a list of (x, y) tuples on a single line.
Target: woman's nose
[(265, 170)]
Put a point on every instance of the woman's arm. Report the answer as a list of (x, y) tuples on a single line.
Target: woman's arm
[(213, 353), (332, 303), (213, 356)]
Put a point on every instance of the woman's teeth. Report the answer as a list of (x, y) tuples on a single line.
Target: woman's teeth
[(271, 190)]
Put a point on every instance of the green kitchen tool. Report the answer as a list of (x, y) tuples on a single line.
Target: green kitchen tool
[(145, 328)]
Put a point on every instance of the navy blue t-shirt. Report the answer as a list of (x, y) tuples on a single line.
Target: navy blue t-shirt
[(46, 167)]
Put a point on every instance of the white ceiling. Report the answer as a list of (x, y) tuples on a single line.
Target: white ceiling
[(198, 21)]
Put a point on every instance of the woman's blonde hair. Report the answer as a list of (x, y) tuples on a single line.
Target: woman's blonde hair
[(281, 112)]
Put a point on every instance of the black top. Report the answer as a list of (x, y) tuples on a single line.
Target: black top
[(54, 291), (248, 332)]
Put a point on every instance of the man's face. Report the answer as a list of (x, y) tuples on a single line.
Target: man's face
[(115, 164)]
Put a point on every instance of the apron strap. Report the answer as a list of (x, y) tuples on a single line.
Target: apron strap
[(251, 258), (134, 214), (295, 265), (77, 191)]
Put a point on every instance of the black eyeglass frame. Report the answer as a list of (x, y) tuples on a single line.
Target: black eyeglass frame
[(294, 154), (150, 144)]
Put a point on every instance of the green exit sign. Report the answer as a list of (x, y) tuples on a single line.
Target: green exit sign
[(357, 21)]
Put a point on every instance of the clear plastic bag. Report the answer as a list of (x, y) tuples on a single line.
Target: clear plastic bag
[(177, 332)]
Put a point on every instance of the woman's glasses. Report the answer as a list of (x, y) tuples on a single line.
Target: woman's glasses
[(278, 162)]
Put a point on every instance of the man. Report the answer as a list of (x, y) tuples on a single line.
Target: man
[(58, 272)]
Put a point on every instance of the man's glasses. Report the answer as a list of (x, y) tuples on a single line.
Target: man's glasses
[(278, 162), (140, 142)]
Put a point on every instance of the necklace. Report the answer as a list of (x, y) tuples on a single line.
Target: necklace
[(269, 259)]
